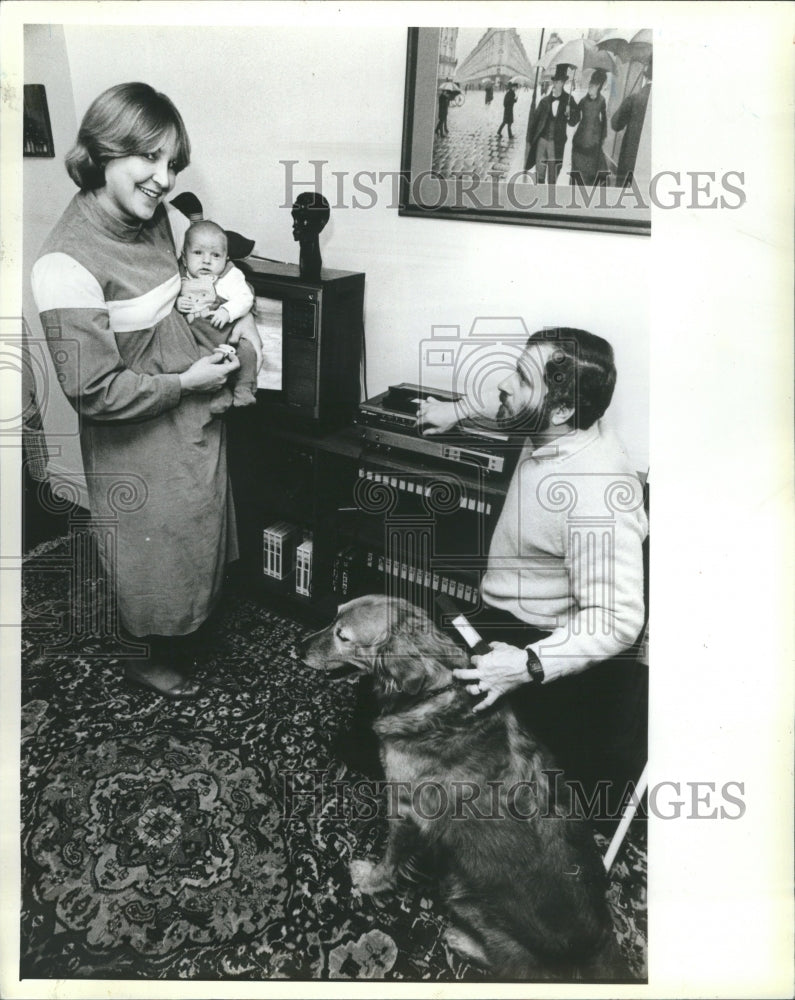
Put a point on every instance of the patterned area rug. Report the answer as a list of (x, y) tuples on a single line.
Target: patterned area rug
[(211, 839)]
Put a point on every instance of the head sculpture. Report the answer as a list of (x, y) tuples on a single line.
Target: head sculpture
[(310, 214)]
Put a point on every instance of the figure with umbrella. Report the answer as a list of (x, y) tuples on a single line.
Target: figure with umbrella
[(448, 91), (507, 108), (631, 116), (546, 128), (587, 158), (488, 85), (632, 53)]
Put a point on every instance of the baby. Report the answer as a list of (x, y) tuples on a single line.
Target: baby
[(214, 295)]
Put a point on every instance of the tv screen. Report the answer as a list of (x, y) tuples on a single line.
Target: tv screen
[(268, 317)]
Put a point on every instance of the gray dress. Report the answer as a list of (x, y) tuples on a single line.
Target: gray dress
[(155, 460)]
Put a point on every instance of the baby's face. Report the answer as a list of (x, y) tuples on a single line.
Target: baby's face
[(205, 253)]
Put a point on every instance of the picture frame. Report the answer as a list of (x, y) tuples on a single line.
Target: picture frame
[(37, 131), (457, 163)]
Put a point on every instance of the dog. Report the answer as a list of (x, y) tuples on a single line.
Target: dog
[(476, 794)]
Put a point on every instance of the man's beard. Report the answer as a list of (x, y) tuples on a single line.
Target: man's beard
[(530, 420)]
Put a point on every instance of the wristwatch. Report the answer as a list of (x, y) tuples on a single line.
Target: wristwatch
[(534, 668)]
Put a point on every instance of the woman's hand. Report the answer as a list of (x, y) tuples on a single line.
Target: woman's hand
[(208, 374), (435, 416)]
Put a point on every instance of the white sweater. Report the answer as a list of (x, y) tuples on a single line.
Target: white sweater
[(566, 554)]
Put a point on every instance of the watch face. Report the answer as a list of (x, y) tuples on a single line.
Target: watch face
[(534, 667)]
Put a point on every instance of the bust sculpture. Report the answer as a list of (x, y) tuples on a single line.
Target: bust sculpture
[(310, 214)]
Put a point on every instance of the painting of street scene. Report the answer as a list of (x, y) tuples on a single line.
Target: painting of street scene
[(544, 106)]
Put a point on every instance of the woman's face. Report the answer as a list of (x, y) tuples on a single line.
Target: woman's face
[(135, 185)]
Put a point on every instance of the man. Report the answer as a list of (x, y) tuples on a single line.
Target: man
[(563, 591), (631, 116), (546, 129), (507, 110), (441, 121)]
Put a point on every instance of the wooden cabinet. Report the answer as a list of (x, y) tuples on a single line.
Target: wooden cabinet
[(379, 519)]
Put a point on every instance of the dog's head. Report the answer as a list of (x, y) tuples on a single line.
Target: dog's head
[(391, 639)]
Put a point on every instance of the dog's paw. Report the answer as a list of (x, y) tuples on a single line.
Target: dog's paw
[(462, 944), (368, 878)]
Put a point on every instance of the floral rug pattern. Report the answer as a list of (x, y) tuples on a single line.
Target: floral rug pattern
[(211, 839)]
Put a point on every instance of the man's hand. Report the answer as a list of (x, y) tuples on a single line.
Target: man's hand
[(496, 673), (435, 416), (219, 318)]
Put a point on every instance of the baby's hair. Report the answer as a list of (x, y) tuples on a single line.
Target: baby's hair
[(124, 120), (205, 226)]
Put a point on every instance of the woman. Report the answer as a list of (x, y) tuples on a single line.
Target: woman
[(154, 456), (586, 147)]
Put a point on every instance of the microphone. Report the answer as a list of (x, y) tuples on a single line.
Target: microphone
[(476, 643)]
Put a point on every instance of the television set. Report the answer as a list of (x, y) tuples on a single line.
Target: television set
[(312, 336)]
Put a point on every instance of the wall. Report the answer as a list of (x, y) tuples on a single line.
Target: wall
[(252, 97), (46, 189)]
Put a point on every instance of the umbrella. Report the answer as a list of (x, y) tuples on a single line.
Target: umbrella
[(638, 48), (486, 79), (519, 80), (581, 53), (615, 42), (450, 86)]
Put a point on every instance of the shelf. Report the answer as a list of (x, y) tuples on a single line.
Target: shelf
[(322, 483)]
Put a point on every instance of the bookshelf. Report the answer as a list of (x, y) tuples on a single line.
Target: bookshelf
[(365, 520)]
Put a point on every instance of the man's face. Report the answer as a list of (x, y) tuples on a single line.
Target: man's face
[(523, 393), (557, 88)]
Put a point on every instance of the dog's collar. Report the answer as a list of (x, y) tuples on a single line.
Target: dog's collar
[(426, 696)]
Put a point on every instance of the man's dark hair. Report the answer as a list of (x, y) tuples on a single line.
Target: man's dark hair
[(580, 373)]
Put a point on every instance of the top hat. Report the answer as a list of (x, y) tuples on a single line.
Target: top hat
[(561, 72)]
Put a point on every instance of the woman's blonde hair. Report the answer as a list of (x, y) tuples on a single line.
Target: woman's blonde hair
[(126, 119)]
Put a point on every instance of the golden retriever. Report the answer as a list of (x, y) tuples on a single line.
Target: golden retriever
[(476, 793)]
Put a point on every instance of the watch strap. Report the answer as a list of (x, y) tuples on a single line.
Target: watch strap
[(534, 668)]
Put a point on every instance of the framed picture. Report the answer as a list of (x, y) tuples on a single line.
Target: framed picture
[(535, 126), (37, 133)]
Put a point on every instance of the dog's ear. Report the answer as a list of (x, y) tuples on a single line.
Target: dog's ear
[(413, 652), (397, 670)]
